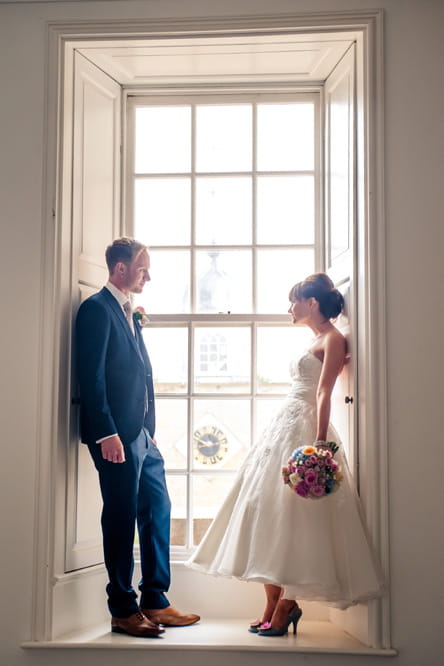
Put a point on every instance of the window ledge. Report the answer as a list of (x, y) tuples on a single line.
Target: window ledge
[(221, 635)]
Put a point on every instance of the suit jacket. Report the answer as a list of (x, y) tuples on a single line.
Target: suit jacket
[(114, 372)]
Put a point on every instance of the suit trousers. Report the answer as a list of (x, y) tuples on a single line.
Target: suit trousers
[(135, 492)]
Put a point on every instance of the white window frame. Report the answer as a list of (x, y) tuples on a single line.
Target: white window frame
[(48, 579), (268, 94)]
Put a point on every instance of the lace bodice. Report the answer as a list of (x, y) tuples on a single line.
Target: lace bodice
[(305, 373)]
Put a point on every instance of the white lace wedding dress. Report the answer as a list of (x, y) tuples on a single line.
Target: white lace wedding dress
[(266, 533)]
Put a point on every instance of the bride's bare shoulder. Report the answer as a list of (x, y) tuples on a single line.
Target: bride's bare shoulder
[(336, 341)]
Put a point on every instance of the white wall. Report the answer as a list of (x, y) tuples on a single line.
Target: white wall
[(413, 179)]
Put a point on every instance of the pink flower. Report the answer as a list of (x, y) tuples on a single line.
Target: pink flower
[(317, 491), (313, 460), (311, 478), (302, 489)]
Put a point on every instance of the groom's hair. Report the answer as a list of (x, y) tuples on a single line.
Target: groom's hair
[(124, 250)]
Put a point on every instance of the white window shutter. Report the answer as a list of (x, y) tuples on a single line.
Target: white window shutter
[(96, 130), (340, 216)]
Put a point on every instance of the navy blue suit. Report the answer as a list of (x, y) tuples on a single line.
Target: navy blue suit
[(117, 396)]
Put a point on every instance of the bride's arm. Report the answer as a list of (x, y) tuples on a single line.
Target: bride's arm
[(333, 362)]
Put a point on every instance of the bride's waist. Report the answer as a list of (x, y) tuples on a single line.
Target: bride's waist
[(300, 391)]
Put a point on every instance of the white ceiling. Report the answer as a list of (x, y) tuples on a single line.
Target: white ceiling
[(300, 58)]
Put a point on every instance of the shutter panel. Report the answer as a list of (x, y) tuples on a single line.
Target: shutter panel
[(340, 188), (95, 222)]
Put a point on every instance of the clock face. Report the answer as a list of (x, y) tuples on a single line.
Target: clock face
[(210, 445)]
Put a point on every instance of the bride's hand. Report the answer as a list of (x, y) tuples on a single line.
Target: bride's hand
[(286, 475)]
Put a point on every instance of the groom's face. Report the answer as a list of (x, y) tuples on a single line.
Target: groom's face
[(138, 273)]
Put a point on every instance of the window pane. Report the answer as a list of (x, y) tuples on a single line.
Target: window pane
[(171, 425), (168, 349), (163, 139), (285, 137), (208, 494), (169, 288), (177, 489), (224, 281), (276, 347), (221, 433), (264, 412), (162, 211), (278, 271), (224, 138), (285, 209), (223, 211), (222, 359)]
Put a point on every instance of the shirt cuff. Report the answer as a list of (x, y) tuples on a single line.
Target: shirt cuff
[(99, 441)]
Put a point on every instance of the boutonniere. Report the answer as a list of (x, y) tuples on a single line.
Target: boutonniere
[(141, 316)]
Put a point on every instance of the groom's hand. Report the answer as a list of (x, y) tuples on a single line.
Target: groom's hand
[(112, 449)]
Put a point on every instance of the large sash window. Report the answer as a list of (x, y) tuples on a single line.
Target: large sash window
[(225, 191)]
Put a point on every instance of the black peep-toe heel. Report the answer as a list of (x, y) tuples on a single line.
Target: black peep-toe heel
[(293, 618)]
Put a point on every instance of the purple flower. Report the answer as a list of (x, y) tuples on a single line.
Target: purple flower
[(317, 491), (302, 489), (300, 469), (311, 478), (313, 460)]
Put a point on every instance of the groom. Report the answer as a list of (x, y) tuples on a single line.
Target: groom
[(117, 424)]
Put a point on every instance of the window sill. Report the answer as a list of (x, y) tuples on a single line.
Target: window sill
[(314, 637)]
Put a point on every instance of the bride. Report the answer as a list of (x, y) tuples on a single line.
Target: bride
[(298, 548)]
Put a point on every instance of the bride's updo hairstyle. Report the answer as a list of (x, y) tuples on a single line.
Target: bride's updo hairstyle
[(320, 287)]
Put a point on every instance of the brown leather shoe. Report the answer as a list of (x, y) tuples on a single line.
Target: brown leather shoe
[(170, 617), (136, 625)]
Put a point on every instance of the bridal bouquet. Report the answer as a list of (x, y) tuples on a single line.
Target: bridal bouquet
[(312, 471)]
